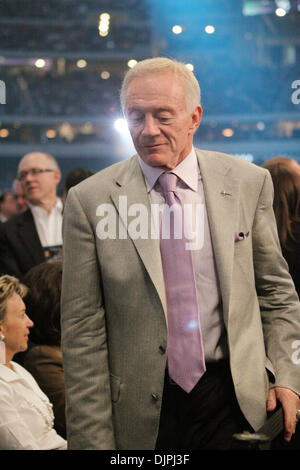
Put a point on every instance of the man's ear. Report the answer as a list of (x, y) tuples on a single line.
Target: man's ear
[(196, 119), (57, 175)]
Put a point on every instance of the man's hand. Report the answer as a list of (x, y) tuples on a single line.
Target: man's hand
[(290, 404)]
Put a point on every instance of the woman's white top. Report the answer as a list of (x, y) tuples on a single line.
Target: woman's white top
[(26, 416)]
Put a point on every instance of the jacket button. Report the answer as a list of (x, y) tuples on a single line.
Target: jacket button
[(162, 349), (155, 396)]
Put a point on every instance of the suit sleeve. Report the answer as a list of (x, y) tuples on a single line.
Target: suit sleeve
[(279, 303), (84, 342)]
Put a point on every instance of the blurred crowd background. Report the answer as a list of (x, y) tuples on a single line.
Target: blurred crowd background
[(61, 67), (62, 63)]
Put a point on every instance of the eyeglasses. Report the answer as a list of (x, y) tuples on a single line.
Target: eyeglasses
[(34, 172)]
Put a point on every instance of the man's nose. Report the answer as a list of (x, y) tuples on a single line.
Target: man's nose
[(28, 177), (150, 126), (29, 322)]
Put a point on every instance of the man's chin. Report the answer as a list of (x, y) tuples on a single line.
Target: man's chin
[(31, 193), (33, 200), (155, 158)]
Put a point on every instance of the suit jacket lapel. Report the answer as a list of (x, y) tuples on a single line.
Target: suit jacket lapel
[(132, 187), (29, 236), (221, 197)]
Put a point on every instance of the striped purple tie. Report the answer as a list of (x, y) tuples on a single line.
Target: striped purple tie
[(186, 362)]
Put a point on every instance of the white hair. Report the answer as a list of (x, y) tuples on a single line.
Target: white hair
[(160, 65)]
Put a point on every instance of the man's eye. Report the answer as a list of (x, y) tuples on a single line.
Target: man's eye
[(135, 120), (164, 118)]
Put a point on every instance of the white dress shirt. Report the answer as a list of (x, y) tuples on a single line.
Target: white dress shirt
[(48, 225), (26, 417), (191, 193)]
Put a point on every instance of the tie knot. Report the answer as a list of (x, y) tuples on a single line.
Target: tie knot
[(168, 182)]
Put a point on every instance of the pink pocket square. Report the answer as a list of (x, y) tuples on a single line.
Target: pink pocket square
[(239, 236)]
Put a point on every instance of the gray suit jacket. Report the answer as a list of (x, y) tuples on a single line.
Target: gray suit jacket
[(114, 326)]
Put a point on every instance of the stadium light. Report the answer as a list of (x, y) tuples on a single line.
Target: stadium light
[(103, 27), (260, 126), (131, 63), (40, 63), (228, 132), (4, 133), (51, 133), (105, 75), (81, 63), (105, 17), (190, 67), (121, 126), (280, 12), (177, 29), (209, 29)]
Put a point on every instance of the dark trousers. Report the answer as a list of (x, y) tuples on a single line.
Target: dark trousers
[(206, 418)]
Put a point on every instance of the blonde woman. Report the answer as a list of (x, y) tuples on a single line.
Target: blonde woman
[(26, 416)]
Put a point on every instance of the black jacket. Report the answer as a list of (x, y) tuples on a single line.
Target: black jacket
[(20, 246)]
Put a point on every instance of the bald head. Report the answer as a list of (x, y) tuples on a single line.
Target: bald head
[(38, 156), (39, 175)]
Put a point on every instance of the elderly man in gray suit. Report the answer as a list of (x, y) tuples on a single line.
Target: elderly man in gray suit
[(174, 339)]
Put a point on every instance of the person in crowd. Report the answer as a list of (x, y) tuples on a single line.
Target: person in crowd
[(181, 338), (18, 192), (34, 236), (26, 415), (8, 207), (44, 358), (285, 175), (75, 177)]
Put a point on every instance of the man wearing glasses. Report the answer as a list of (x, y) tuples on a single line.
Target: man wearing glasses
[(34, 236)]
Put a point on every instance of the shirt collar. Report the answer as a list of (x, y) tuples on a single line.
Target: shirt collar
[(19, 374), (9, 375), (187, 171)]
